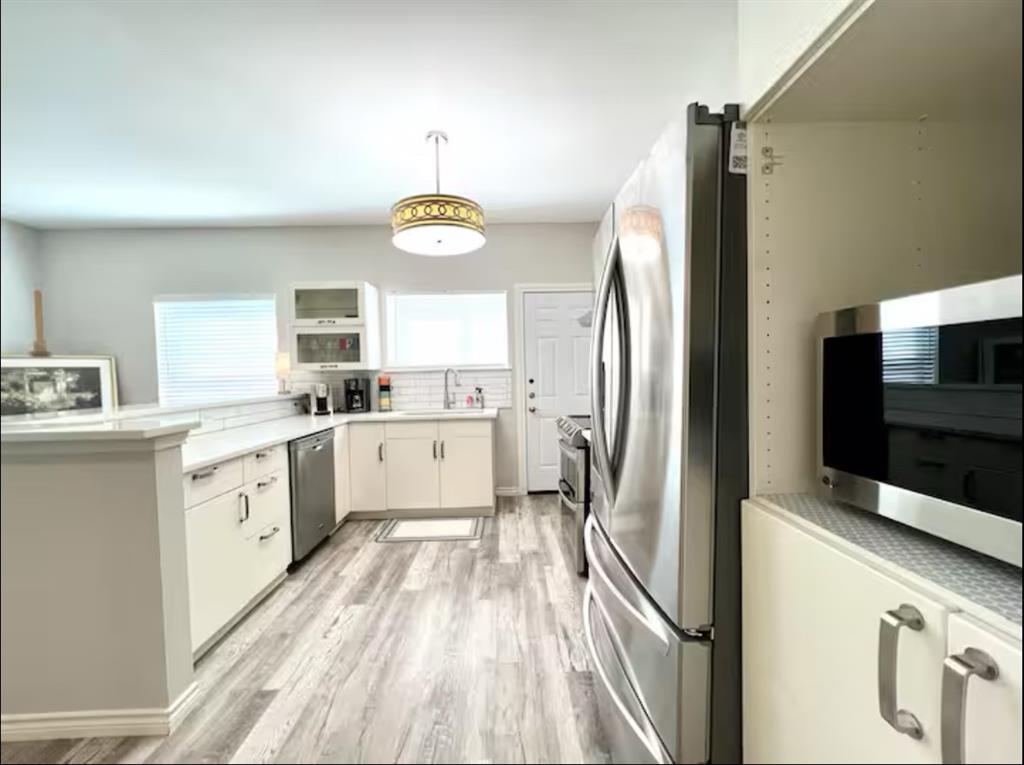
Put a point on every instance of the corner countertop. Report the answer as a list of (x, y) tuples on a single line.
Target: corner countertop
[(203, 450)]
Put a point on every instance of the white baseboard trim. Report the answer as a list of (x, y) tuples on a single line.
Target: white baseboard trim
[(36, 726), (508, 491)]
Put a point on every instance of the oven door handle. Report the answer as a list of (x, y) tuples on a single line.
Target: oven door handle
[(566, 493)]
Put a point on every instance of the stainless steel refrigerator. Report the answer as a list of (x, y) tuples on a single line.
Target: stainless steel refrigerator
[(669, 450)]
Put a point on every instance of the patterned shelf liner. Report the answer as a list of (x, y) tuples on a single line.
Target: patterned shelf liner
[(990, 583)]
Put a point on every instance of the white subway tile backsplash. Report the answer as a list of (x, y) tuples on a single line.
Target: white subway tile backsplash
[(425, 390)]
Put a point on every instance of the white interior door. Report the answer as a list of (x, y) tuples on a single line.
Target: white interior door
[(557, 375)]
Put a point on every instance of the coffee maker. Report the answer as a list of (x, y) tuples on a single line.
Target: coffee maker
[(357, 394)]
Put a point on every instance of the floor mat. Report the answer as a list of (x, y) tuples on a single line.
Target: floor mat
[(430, 529)]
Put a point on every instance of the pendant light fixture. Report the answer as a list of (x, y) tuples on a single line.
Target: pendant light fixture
[(437, 224)]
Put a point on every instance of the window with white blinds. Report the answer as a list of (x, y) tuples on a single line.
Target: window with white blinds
[(447, 329), (215, 349), (910, 355)]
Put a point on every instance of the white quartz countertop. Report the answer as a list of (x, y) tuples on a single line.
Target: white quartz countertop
[(119, 430), (203, 450)]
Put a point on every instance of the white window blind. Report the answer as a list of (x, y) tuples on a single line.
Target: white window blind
[(447, 329), (910, 355), (215, 349)]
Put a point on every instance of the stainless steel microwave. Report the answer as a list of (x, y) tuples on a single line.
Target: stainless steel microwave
[(919, 412)]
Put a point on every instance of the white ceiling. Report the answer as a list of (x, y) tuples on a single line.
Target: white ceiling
[(183, 112)]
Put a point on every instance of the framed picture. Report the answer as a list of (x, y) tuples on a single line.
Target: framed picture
[(51, 386)]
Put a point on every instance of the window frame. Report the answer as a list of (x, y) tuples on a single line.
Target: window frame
[(209, 297), (388, 366)]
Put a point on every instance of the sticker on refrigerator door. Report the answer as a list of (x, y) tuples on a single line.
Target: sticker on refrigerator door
[(738, 149)]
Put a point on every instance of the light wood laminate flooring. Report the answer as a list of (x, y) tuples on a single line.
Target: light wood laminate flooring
[(467, 651)]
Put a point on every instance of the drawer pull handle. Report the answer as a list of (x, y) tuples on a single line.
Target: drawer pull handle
[(956, 672), (262, 455), (269, 534), (888, 657), (269, 482), (204, 473)]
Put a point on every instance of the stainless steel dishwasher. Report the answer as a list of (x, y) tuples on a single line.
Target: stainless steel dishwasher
[(311, 459)]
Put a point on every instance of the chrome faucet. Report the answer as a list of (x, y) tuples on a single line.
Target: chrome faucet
[(449, 399)]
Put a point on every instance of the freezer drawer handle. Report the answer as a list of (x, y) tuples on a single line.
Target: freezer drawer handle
[(656, 628), (888, 658), (956, 673), (654, 747)]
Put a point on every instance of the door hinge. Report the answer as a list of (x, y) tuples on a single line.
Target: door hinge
[(769, 159)]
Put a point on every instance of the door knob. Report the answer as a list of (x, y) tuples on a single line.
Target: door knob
[(533, 409)]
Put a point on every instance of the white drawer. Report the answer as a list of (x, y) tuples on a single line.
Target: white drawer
[(265, 461), (272, 554), (471, 428), (420, 429), (208, 482), (269, 501)]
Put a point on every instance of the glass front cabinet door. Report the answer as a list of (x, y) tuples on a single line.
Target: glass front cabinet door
[(325, 349), (328, 304)]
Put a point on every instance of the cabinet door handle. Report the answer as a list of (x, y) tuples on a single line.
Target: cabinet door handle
[(204, 474), (435, 450), (269, 534), (442, 450), (956, 672), (243, 509), (269, 482), (888, 658), (380, 452)]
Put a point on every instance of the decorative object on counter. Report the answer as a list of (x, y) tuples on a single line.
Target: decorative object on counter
[(437, 224), (57, 385), (322, 399), (39, 346), (478, 397), (283, 367), (384, 393)]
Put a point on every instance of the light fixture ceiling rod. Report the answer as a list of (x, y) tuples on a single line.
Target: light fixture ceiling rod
[(437, 136)]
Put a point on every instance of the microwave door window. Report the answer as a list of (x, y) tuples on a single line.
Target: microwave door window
[(935, 410)]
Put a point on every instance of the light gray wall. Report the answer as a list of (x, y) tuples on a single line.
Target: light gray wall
[(19, 275), (100, 284)]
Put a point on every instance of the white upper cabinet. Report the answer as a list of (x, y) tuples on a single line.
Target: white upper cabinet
[(328, 304), (335, 326), (774, 35)]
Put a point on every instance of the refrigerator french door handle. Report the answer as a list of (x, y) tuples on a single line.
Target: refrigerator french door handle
[(599, 442), (656, 628), (655, 747)]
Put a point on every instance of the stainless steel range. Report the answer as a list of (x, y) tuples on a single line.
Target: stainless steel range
[(574, 482)]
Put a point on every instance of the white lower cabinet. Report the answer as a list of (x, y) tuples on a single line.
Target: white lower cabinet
[(238, 543), (814, 653), (342, 490), (217, 548), (367, 476), (833, 645), (984, 714), (421, 465), (467, 475), (413, 482)]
